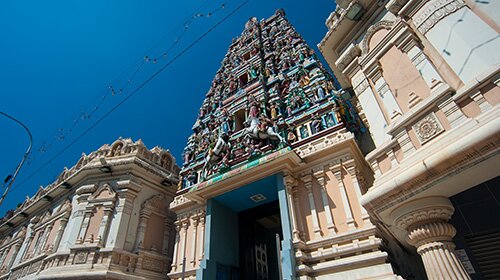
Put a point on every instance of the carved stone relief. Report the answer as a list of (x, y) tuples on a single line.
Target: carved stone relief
[(427, 128)]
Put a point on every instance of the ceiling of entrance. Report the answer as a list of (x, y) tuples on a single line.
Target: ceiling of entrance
[(240, 198)]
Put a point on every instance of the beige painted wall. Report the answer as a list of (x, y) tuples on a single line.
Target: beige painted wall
[(154, 233)]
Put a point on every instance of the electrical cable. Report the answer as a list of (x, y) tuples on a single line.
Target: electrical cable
[(132, 93)]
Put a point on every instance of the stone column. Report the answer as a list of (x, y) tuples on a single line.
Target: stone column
[(202, 236), (345, 199), (166, 233), (102, 235), (194, 220), (185, 226), (141, 230), (16, 246), (391, 105), (354, 172), (176, 245), (312, 205), (426, 221), (291, 184), (319, 174), (84, 226), (62, 225)]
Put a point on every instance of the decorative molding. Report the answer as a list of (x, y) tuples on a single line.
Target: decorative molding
[(94, 197), (348, 56), (383, 24), (86, 189), (413, 99), (81, 257), (394, 6), (434, 12), (431, 232), (426, 215), (290, 181), (427, 128), (323, 143)]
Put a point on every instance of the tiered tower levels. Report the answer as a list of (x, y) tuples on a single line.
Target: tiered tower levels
[(270, 78)]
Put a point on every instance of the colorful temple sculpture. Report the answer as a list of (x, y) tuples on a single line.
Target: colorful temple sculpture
[(271, 92), (426, 78), (106, 217), (272, 176)]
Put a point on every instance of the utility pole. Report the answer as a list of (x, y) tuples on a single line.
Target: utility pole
[(11, 177)]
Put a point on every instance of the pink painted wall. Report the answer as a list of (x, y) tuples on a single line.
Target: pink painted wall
[(491, 93), (33, 242), (305, 211), (402, 77), (384, 163), (336, 202), (376, 38), (53, 233), (353, 199), (95, 222)]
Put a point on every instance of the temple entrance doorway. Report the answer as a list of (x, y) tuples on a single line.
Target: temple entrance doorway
[(248, 234), (259, 236)]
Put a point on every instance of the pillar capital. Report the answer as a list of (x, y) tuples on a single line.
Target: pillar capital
[(426, 221), (319, 174), (307, 179), (423, 211), (425, 235), (290, 181)]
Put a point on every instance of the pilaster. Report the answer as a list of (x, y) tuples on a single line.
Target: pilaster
[(291, 190), (355, 174), (62, 226), (405, 143), (452, 112), (202, 236), (194, 239), (307, 179), (141, 229), (319, 174), (345, 200), (176, 245)]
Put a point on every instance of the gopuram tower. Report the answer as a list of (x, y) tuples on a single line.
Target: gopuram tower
[(272, 174)]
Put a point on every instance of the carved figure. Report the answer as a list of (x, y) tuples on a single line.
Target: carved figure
[(221, 150)]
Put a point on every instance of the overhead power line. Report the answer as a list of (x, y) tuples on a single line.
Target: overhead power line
[(123, 81), (11, 177), (132, 93)]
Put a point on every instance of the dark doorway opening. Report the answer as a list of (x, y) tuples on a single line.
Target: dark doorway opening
[(259, 229)]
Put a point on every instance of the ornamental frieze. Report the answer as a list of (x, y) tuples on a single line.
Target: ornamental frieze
[(434, 12)]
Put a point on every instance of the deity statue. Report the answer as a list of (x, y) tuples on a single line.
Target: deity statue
[(291, 137), (316, 123), (219, 153)]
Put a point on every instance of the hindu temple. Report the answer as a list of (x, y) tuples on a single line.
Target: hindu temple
[(384, 168)]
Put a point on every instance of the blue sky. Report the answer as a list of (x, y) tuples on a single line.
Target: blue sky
[(59, 57)]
